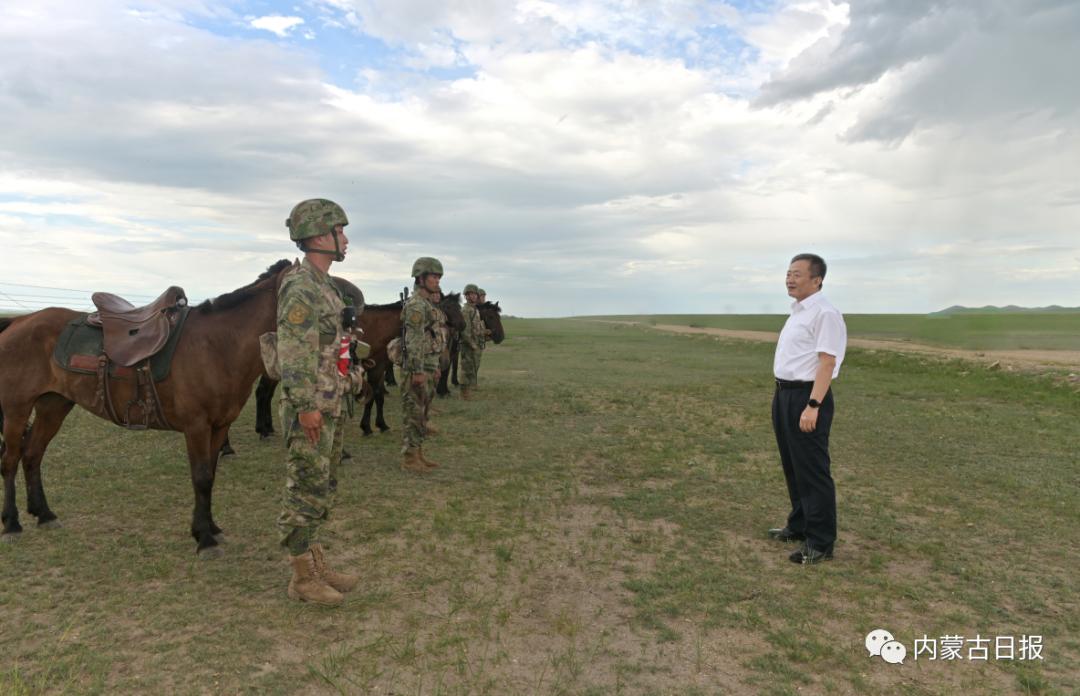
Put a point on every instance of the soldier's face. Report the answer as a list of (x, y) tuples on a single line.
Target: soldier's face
[(471, 297), (431, 282)]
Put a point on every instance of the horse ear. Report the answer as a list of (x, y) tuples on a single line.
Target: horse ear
[(497, 304)]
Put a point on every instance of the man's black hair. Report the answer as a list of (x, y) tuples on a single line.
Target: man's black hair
[(817, 265)]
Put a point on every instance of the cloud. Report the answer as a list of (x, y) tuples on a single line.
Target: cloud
[(571, 155), (277, 24)]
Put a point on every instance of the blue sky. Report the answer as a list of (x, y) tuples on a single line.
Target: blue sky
[(597, 156)]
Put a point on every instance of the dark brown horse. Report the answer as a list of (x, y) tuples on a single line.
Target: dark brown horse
[(216, 362)]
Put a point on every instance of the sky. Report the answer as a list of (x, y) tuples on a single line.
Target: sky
[(587, 157)]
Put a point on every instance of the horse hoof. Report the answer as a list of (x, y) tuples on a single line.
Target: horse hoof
[(219, 538), (9, 537), (265, 436), (51, 524), (210, 553)]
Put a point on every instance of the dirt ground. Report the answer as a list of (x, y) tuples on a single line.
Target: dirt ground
[(1014, 359)]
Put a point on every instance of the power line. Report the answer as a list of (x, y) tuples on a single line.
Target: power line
[(46, 287)]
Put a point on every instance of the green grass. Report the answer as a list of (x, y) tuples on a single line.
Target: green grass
[(597, 527), (1004, 331)]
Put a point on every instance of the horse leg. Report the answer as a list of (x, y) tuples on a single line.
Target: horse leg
[(264, 417), (14, 428), (442, 389), (380, 397), (226, 447), (203, 445), (49, 414), (453, 366), (365, 420)]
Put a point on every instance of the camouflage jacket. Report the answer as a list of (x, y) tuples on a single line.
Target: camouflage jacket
[(473, 335), (421, 321), (309, 340)]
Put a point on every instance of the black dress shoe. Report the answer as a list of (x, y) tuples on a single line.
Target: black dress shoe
[(784, 534), (806, 555)]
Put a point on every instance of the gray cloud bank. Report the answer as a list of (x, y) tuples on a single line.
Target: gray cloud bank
[(919, 145)]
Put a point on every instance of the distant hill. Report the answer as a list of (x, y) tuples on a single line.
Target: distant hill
[(991, 309)]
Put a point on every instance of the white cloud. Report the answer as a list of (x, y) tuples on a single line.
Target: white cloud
[(277, 24), (581, 157)]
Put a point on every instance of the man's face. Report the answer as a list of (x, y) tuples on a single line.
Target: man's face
[(431, 282), (482, 299), (470, 297), (799, 283), (326, 241)]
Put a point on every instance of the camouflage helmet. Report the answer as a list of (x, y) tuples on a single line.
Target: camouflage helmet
[(481, 292), (426, 264), (471, 287), (314, 218), (354, 297)]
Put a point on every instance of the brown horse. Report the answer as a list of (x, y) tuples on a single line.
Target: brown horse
[(216, 362)]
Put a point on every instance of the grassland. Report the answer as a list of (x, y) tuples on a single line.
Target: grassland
[(597, 527), (992, 331)]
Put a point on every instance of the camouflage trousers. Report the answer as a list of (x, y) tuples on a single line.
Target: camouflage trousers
[(414, 406), (310, 479), (468, 365)]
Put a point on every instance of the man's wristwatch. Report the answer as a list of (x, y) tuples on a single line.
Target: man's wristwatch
[(813, 403)]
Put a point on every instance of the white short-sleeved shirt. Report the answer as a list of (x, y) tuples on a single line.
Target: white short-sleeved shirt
[(815, 326)]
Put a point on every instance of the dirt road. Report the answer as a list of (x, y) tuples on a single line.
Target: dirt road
[(1014, 359)]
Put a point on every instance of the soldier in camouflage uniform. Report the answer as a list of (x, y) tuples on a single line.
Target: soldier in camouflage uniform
[(472, 342), (482, 293), (309, 339), (420, 361)]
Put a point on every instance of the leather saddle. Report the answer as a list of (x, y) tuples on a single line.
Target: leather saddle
[(133, 334)]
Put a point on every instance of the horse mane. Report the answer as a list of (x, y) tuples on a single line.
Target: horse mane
[(238, 297), (395, 306), (453, 296), (492, 306)]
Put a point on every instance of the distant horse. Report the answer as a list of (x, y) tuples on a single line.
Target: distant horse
[(489, 314), (216, 362), (380, 325)]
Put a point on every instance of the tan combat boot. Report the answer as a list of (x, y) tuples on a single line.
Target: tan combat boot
[(466, 393), (306, 583), (339, 581), (411, 461), (430, 429), (427, 462)]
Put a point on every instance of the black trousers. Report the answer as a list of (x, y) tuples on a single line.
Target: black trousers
[(805, 457)]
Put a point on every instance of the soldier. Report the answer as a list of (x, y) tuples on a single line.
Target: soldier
[(420, 361), (442, 343), (313, 386), (483, 338), (471, 341)]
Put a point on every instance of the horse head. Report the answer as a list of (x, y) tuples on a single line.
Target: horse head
[(450, 304), (489, 312)]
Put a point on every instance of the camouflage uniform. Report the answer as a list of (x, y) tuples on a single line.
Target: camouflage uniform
[(422, 349), (309, 342), (472, 342)]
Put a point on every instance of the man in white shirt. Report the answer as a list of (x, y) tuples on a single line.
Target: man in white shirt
[(808, 357)]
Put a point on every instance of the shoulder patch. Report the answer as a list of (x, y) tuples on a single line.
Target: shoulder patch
[(416, 316), (298, 314)]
